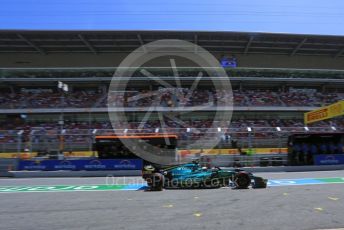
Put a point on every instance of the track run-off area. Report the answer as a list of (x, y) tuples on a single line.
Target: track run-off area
[(110, 183), (304, 200)]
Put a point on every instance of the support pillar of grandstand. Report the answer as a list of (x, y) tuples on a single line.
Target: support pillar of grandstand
[(19, 142), (31, 141), (279, 136), (64, 89), (89, 119), (94, 133), (61, 123)]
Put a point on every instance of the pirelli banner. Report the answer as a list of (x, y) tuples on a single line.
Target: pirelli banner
[(325, 112)]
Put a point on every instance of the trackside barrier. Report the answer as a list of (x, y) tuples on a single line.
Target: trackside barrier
[(244, 161), (329, 159), (100, 173), (27, 155), (8, 165), (75, 165), (30, 174)]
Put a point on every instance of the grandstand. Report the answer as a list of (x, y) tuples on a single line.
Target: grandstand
[(278, 78)]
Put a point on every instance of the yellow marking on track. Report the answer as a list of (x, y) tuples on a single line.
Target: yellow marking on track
[(168, 206), (333, 198), (197, 214), (319, 209), (285, 194)]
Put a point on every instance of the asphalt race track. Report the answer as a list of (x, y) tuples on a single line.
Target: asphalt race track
[(317, 206)]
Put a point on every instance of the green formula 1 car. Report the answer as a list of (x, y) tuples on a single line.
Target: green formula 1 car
[(193, 175)]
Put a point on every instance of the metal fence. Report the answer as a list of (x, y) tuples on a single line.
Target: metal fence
[(244, 161), (44, 140)]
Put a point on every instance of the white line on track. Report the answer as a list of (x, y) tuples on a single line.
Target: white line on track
[(278, 173), (61, 178), (114, 190)]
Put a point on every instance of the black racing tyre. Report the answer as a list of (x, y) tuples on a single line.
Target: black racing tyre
[(156, 182), (242, 180)]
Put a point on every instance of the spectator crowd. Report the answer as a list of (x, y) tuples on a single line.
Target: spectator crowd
[(175, 97)]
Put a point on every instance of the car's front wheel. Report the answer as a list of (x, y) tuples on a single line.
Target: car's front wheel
[(156, 182)]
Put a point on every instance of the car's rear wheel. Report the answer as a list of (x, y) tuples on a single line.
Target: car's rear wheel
[(242, 180)]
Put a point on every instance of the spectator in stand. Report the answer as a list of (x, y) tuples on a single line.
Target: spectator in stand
[(323, 148), (313, 151), (303, 154), (340, 148), (332, 148), (296, 150)]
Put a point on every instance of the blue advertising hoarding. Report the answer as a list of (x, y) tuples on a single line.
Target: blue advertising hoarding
[(94, 164), (330, 159)]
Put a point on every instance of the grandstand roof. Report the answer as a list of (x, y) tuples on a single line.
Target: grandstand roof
[(47, 42)]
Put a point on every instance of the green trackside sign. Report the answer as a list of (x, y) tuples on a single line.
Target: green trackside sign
[(65, 188)]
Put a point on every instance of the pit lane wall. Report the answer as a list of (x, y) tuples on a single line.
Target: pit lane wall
[(329, 159), (27, 155), (77, 165)]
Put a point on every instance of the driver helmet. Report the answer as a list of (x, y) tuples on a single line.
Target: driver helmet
[(149, 168)]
